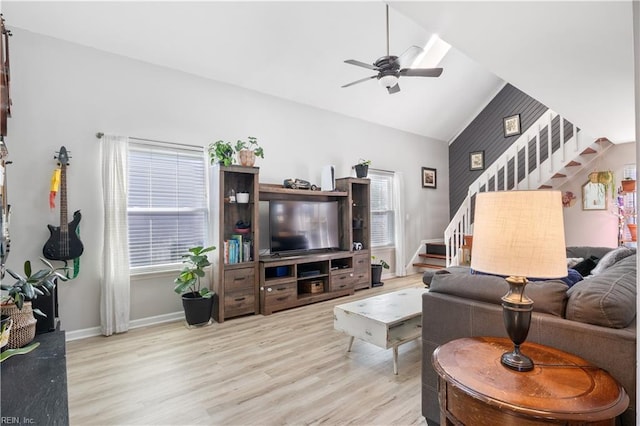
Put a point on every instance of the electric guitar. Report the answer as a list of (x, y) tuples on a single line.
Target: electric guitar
[(64, 243)]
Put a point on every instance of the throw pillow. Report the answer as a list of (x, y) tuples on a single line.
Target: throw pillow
[(572, 278), (585, 267), (612, 257), (573, 261)]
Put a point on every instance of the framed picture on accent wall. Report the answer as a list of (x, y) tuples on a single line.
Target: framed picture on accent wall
[(511, 125), (429, 178), (476, 160)]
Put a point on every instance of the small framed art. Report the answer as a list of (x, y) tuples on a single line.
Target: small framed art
[(594, 196), (476, 160), (429, 177), (511, 125)]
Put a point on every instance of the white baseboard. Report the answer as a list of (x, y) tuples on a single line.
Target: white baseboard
[(142, 322)]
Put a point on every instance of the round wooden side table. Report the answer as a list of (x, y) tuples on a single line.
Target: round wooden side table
[(476, 389)]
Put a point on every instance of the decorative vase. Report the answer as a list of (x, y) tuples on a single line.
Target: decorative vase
[(197, 309), (362, 170), (246, 157), (23, 330), (628, 185), (633, 230)]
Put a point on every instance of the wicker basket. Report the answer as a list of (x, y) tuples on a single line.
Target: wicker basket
[(23, 330), (316, 286)]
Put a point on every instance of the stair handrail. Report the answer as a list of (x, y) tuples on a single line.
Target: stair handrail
[(460, 223)]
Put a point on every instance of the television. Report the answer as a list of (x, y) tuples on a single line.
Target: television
[(303, 225)]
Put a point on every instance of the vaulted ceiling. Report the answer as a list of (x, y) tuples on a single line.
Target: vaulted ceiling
[(575, 57)]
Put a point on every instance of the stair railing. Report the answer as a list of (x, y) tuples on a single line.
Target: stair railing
[(507, 174)]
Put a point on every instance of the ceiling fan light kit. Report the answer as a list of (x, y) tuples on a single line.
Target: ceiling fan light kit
[(391, 68)]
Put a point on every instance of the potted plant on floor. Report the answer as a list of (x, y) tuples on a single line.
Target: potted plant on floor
[(221, 152), (248, 151), (197, 300), (376, 271), (17, 303), (362, 168)]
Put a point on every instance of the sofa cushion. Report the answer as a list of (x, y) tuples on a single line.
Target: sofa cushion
[(587, 251), (548, 296), (608, 298), (611, 258)]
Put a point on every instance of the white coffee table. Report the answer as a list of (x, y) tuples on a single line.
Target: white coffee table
[(387, 320)]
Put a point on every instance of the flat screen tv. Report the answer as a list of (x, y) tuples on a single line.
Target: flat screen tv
[(303, 225)]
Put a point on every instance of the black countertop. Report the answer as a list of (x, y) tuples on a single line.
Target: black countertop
[(34, 385)]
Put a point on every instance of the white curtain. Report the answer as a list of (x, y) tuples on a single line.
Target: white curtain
[(114, 277), (398, 209)]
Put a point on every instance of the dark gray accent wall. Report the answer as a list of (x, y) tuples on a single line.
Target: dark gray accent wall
[(485, 133)]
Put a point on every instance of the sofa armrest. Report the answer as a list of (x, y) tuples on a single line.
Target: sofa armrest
[(446, 317)]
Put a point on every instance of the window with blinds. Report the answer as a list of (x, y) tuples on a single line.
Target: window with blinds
[(166, 204), (382, 214)]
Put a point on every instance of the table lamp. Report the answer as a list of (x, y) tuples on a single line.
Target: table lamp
[(519, 234)]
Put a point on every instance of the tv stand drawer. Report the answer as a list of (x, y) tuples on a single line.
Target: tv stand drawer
[(342, 281)]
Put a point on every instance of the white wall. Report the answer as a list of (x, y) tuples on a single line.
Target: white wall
[(64, 93), (597, 227)]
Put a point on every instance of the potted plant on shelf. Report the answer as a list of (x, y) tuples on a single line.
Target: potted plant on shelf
[(628, 184), (248, 151), (376, 271), (221, 152), (197, 300), (17, 303), (362, 168)]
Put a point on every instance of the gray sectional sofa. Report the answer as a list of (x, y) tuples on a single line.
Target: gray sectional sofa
[(594, 318)]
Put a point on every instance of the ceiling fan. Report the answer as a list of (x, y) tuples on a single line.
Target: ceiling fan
[(390, 68)]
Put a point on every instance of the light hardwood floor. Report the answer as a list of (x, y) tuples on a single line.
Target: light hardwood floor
[(290, 367)]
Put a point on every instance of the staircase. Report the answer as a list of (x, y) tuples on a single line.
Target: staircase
[(546, 156), (434, 256)]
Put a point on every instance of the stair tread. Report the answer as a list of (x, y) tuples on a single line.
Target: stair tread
[(588, 150), (573, 164), (558, 175), (428, 265), (545, 187), (433, 256)]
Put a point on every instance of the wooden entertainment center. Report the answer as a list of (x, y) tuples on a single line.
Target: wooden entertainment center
[(251, 283)]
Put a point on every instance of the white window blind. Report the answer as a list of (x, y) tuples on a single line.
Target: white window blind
[(167, 204), (382, 214)]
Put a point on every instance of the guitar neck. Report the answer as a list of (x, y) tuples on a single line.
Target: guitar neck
[(64, 226)]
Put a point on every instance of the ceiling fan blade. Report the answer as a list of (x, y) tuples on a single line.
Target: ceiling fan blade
[(394, 89), (359, 81), (420, 72), (405, 60), (361, 64)]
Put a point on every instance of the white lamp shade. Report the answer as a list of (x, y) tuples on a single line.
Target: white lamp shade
[(519, 233), (388, 80)]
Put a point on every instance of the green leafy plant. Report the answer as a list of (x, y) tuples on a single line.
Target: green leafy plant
[(251, 145), (189, 279), (31, 285), (362, 162), (380, 262), (221, 152)]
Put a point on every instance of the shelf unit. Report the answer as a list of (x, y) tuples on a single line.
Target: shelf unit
[(300, 280), (356, 228), (627, 205), (235, 268)]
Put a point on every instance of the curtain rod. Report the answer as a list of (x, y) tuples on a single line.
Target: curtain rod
[(99, 135), (381, 170)]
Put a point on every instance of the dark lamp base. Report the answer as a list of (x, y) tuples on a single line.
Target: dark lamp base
[(516, 361)]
